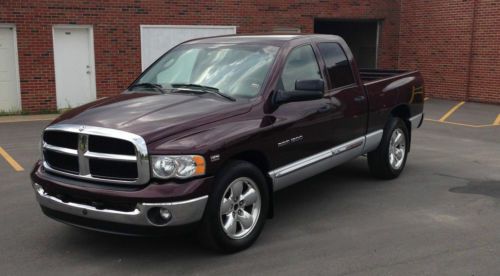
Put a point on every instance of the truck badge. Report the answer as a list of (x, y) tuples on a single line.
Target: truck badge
[(215, 158)]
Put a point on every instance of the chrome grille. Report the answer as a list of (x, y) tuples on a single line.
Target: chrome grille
[(95, 154)]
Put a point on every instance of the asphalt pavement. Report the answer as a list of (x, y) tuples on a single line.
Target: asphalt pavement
[(440, 217)]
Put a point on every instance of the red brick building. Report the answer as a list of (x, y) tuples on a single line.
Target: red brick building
[(455, 43)]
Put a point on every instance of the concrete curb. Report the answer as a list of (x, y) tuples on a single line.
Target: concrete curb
[(27, 118)]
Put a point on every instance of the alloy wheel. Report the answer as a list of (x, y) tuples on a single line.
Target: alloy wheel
[(240, 208)]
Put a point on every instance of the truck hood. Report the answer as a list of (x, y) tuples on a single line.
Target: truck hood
[(154, 116)]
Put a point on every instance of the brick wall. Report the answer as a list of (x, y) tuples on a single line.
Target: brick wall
[(117, 34), (455, 44), (485, 64), (435, 37)]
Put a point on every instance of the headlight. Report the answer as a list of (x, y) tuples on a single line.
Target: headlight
[(179, 166)]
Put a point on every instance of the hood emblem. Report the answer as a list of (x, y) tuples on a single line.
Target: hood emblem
[(81, 128)]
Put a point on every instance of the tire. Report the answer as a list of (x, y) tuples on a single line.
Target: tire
[(389, 159), (236, 210)]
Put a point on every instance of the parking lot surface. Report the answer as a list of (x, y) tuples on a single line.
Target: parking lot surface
[(440, 217)]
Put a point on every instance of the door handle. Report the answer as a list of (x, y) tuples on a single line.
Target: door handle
[(324, 108), (359, 98)]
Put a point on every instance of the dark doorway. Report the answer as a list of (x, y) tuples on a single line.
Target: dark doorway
[(361, 36)]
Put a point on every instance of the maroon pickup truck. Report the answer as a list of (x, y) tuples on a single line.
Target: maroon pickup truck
[(214, 127)]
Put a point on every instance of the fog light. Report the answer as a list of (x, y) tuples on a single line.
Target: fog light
[(159, 216), (165, 214)]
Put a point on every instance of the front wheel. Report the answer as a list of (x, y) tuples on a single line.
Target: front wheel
[(389, 159), (236, 210)]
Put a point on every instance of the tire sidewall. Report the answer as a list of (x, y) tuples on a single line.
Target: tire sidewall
[(231, 172), (395, 123)]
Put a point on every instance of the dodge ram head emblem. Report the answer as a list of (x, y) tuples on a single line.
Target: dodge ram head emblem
[(81, 128)]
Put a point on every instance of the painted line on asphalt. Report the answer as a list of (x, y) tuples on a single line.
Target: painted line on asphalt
[(451, 111), (459, 124), (13, 163), (497, 121)]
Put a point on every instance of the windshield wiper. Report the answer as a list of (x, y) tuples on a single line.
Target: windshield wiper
[(202, 88), (154, 86)]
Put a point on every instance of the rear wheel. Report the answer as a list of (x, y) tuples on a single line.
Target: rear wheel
[(236, 210), (389, 159)]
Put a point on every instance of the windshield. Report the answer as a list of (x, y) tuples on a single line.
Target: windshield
[(235, 70)]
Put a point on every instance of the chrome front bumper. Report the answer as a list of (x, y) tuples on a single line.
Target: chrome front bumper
[(182, 212)]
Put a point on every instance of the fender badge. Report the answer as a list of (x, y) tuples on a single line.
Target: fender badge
[(290, 141), (215, 157)]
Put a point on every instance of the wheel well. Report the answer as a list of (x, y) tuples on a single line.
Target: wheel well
[(255, 157), (260, 160), (403, 112)]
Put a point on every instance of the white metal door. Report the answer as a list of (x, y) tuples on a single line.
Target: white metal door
[(10, 100), (74, 66), (157, 39)]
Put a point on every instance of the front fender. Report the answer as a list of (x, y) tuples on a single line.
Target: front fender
[(218, 142)]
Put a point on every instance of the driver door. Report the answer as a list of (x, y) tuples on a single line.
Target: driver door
[(302, 126)]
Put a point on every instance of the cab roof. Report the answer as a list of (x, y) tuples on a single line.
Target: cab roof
[(271, 39)]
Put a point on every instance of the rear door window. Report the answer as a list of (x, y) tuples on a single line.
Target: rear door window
[(339, 68)]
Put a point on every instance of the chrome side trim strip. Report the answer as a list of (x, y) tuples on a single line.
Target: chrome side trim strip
[(304, 168), (348, 146), (183, 212), (416, 120), (373, 140), (301, 164), (309, 166), (60, 149)]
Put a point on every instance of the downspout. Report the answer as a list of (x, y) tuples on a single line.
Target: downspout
[(471, 49), (399, 35)]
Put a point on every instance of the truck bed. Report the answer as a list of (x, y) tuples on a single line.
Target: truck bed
[(388, 88), (369, 75)]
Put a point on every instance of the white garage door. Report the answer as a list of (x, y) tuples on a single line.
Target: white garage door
[(156, 39), (10, 100)]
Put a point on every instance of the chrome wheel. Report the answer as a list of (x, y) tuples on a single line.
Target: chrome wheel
[(397, 149), (240, 208)]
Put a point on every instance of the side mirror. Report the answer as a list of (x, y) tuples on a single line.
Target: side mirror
[(305, 90), (309, 85)]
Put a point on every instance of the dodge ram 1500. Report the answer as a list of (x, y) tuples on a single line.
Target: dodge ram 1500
[(214, 127)]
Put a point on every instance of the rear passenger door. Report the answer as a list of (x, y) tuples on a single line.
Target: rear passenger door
[(348, 98)]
